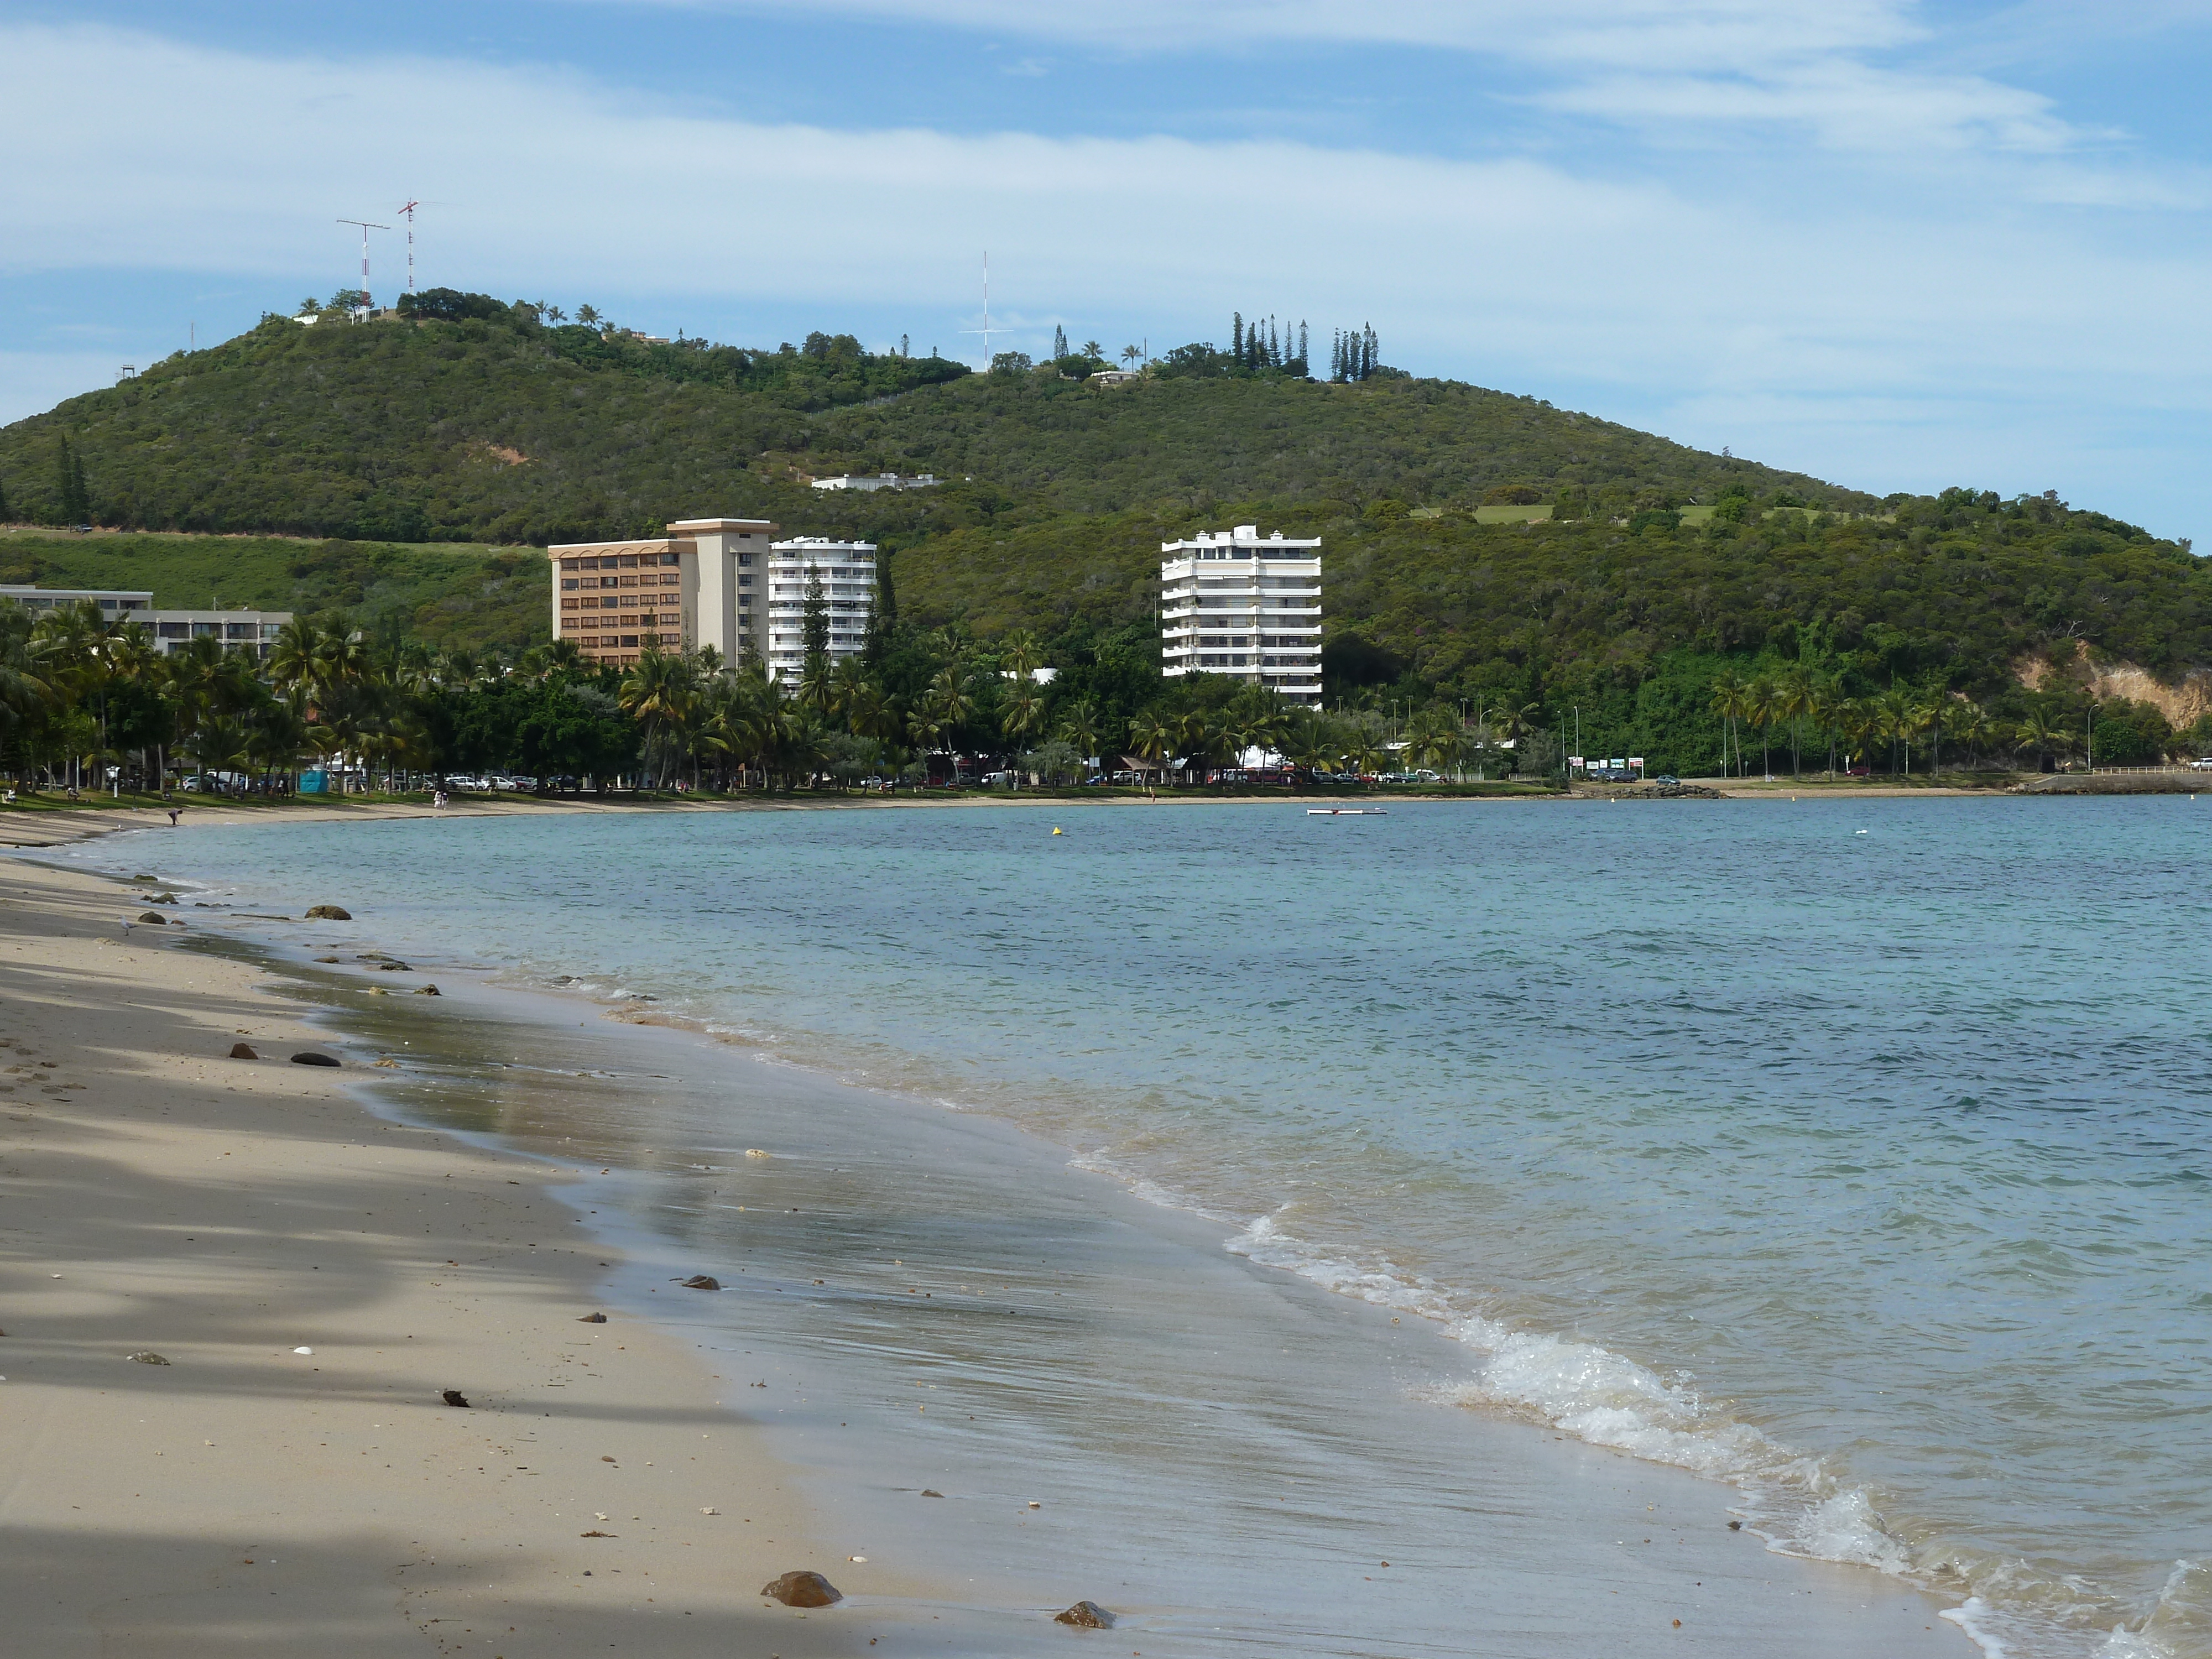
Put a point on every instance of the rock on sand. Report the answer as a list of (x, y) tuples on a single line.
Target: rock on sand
[(803, 1590)]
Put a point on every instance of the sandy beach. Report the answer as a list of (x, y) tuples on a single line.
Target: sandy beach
[(249, 1498)]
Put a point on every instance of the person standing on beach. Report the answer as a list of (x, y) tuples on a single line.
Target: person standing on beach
[(173, 812)]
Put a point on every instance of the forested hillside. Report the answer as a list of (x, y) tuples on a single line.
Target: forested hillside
[(504, 429), (1660, 569)]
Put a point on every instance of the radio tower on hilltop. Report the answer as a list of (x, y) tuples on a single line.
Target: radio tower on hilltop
[(986, 330), (410, 212), (367, 305)]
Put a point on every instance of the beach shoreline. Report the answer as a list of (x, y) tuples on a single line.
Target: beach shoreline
[(59, 824), (1903, 1634), (313, 1279)]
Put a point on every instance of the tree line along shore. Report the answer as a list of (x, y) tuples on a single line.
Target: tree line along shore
[(90, 703)]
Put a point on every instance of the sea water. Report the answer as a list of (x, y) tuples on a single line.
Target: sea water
[(1853, 1153)]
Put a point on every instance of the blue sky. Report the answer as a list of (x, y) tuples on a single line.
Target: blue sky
[(1897, 246)]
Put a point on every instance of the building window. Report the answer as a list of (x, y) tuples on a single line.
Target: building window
[(629, 642), (569, 584)]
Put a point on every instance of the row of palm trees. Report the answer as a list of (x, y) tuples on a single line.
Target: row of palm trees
[(80, 689), (1795, 703), (699, 713)]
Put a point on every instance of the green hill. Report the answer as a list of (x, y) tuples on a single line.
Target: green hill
[(1660, 565)]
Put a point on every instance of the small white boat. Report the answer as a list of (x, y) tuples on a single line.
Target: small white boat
[(1345, 812)]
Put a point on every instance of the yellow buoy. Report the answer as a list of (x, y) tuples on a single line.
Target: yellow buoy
[(1055, 829)]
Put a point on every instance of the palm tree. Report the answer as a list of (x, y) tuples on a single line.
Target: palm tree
[(1307, 741), (1152, 737), (951, 703), (657, 692), (1434, 737), (1794, 697), (2038, 733), (1130, 353), (277, 737), (1022, 712), (926, 729), (1896, 718), (1730, 698), (1080, 728), (1762, 707), (1972, 727), (1365, 748)]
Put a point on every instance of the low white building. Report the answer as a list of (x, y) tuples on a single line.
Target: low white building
[(1235, 603), (239, 630), (876, 481), (847, 571)]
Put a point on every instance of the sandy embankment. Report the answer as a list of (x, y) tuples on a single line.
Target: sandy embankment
[(246, 1498)]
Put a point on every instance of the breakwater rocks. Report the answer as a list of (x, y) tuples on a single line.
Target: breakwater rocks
[(2116, 783), (1668, 792)]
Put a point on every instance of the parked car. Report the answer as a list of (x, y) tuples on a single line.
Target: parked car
[(1666, 777), (2204, 765)]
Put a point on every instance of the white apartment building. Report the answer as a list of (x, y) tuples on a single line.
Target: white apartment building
[(239, 630), (847, 571), (1232, 602)]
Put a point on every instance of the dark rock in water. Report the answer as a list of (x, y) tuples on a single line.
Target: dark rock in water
[(329, 958), (171, 898), (702, 1282), (153, 916), (328, 913), (455, 1397), (243, 1051), (147, 1357), (394, 968), (593, 1319), (309, 1057), (429, 991), (1085, 1615), (928, 1491), (803, 1590), (1735, 1526)]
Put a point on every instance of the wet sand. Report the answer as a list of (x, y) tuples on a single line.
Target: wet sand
[(246, 1498)]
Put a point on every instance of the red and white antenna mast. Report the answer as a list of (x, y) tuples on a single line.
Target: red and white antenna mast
[(365, 305), (410, 212)]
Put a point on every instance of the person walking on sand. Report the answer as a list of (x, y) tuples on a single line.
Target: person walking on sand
[(173, 812)]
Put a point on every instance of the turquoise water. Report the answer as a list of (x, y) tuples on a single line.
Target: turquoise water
[(1851, 1154)]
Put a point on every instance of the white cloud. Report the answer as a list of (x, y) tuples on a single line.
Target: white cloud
[(1511, 271), (1826, 67)]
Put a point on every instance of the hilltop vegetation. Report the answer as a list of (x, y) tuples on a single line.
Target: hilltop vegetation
[(1662, 569), (503, 428)]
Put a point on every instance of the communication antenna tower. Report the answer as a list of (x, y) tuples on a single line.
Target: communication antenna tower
[(366, 228), (410, 212), (986, 331)]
